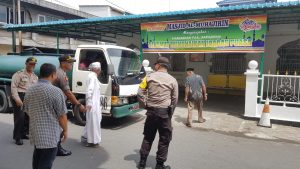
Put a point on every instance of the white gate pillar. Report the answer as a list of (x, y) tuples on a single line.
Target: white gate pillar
[(251, 89)]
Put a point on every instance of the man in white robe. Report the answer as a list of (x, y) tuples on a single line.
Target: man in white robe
[(92, 129)]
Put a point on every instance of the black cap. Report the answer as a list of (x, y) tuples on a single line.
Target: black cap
[(190, 69), (66, 58), (162, 60), (31, 59)]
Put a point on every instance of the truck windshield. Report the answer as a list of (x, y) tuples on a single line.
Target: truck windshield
[(125, 62)]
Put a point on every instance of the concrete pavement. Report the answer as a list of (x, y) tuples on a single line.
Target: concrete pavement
[(226, 140), (191, 148), (225, 114)]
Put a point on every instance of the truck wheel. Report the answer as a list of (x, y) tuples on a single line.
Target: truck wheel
[(79, 116), (3, 102)]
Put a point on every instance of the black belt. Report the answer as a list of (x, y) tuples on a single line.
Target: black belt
[(21, 93), (157, 109)]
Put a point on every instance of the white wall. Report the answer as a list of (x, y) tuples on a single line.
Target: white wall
[(33, 16), (276, 37), (201, 68), (38, 40), (115, 13), (101, 11)]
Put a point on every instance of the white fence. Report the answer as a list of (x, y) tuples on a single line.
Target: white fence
[(283, 92), (281, 89)]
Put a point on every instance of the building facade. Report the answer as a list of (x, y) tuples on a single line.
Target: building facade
[(36, 11), (102, 10)]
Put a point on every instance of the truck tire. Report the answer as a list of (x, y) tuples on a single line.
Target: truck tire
[(79, 117), (3, 102)]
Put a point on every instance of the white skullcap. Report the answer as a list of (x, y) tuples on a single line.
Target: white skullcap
[(95, 65)]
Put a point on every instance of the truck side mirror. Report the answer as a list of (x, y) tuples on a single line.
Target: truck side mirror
[(110, 69)]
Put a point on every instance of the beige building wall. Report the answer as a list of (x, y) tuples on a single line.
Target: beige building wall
[(4, 49)]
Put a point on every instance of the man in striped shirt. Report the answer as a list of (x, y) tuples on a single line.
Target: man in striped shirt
[(46, 108)]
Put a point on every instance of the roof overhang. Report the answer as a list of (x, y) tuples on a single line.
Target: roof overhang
[(99, 28)]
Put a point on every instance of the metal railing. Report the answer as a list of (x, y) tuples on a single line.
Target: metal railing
[(282, 89)]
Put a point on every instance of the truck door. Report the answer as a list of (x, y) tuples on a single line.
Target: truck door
[(84, 57)]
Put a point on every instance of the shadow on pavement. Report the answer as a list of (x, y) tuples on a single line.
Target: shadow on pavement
[(82, 157), (119, 123), (115, 123), (179, 118), (151, 160), (14, 157)]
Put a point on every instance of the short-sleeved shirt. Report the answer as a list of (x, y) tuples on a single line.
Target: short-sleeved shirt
[(21, 81), (62, 80), (159, 89), (195, 82), (44, 104)]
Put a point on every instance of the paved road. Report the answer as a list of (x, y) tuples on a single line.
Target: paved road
[(190, 149)]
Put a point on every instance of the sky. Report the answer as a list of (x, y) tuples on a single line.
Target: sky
[(150, 6)]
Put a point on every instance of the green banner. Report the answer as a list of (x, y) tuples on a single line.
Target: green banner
[(244, 34)]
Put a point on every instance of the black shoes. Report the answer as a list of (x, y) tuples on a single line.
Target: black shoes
[(162, 166), (141, 167), (63, 152), (19, 142), (159, 165), (25, 137), (142, 163)]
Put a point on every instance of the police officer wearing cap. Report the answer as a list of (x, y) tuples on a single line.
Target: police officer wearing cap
[(20, 82), (62, 82), (158, 92)]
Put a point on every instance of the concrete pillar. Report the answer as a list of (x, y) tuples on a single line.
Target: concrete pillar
[(251, 89), (146, 66)]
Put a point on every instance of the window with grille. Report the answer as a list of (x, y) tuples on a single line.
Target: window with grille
[(41, 18), (289, 58), (9, 16), (177, 61), (228, 63), (3, 14)]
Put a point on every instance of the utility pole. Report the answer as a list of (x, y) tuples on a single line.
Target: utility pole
[(20, 22), (14, 50)]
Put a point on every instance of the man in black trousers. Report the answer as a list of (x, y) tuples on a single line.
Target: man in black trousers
[(158, 92), (62, 82), (20, 82)]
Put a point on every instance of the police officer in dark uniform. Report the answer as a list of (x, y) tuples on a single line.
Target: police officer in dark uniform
[(62, 82), (20, 82), (158, 92)]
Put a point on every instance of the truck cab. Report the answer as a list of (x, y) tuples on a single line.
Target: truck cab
[(119, 78)]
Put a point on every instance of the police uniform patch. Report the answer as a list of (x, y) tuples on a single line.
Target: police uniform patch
[(24, 79), (143, 84)]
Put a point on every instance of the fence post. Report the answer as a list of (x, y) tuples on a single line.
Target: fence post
[(251, 89)]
